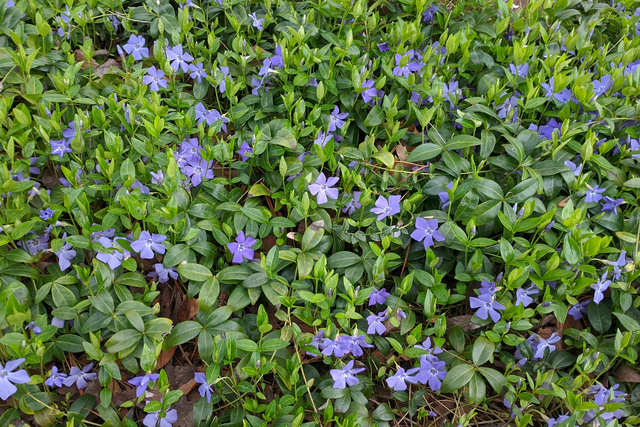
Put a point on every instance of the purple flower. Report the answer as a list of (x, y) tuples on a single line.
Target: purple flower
[(577, 170), (431, 372), (245, 151), (345, 377), (155, 79), (579, 309), (241, 248), (355, 344), (336, 119), (509, 105), (487, 287), (143, 188), (322, 139), (323, 189), (8, 378), (427, 231), (563, 96), (594, 194), (79, 376), (519, 70), (55, 379), (163, 273), (370, 91), (335, 347), (428, 14), (611, 204), (432, 352), (46, 214), (552, 422), (65, 255), (258, 23), (197, 73), (546, 131), (148, 243), (36, 244), (157, 178), (113, 259), (385, 208), (451, 92), (58, 323), (353, 204), (545, 344), (619, 265), (317, 342), (376, 323), (197, 171), (600, 87), (135, 47), (166, 419), (408, 68), (444, 196), (60, 147), (142, 382), (486, 306), (383, 47), (400, 379), (599, 287), (37, 330), (223, 84), (179, 58), (604, 396), (205, 388), (378, 296), (523, 295)]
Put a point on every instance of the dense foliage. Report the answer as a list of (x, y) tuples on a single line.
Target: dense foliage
[(254, 213)]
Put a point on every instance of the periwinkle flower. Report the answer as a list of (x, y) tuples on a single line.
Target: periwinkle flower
[(576, 169), (163, 274), (523, 295), (80, 376), (179, 59), (323, 188), (205, 388), (257, 22), (336, 119), (8, 378), (427, 231), (386, 207), (60, 147), (383, 47), (334, 347), (400, 379), (345, 377), (594, 194), (46, 214), (245, 151), (353, 204), (135, 47), (544, 344), (611, 205), (563, 96), (378, 296), (432, 372), (408, 68), (323, 138), (376, 323), (55, 379), (428, 14), (65, 255), (148, 243), (157, 178), (241, 248), (487, 306), (142, 382), (600, 287), (197, 73), (370, 91), (444, 196), (199, 170), (579, 309), (355, 344), (161, 419), (154, 78)]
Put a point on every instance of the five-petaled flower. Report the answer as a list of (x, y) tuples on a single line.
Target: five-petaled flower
[(385, 208), (142, 382), (378, 296), (148, 243), (80, 376), (154, 78), (487, 306), (135, 47), (400, 379), (345, 377), (599, 287), (322, 188), (55, 379), (8, 378), (376, 323), (427, 231), (241, 248), (205, 388)]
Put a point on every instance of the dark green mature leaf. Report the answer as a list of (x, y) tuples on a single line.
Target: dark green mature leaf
[(182, 333), (599, 317), (457, 377), (424, 152), (483, 349), (195, 272)]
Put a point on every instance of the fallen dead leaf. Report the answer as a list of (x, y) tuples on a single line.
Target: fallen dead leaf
[(104, 68), (627, 374), (188, 309)]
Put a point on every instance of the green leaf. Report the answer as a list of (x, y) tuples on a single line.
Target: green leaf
[(424, 152), (123, 340), (477, 389), (375, 117), (599, 317), (495, 378), (343, 259), (457, 377), (176, 255), (483, 348), (632, 183), (462, 141), (70, 343), (195, 272), (629, 323), (209, 293), (523, 191), (273, 345), (182, 333), (239, 298), (286, 139)]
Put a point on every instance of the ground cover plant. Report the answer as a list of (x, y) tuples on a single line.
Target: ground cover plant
[(243, 213)]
